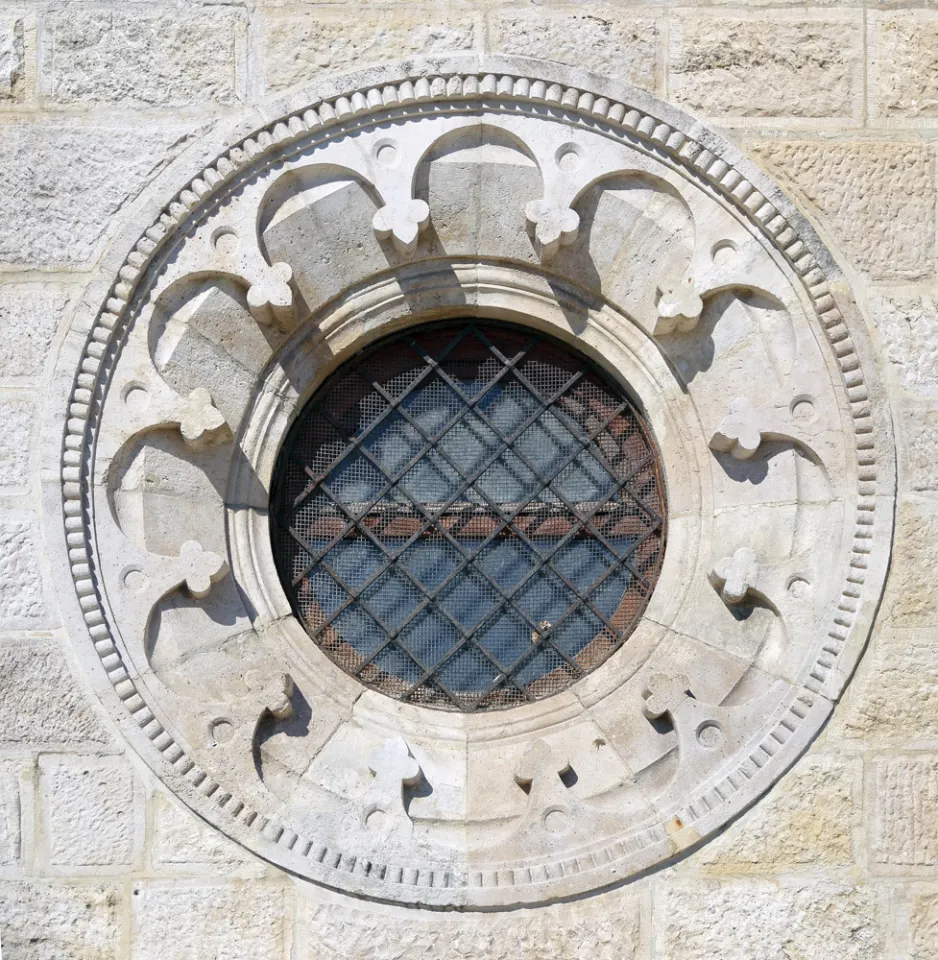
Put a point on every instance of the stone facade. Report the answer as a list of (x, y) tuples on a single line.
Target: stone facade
[(98, 859)]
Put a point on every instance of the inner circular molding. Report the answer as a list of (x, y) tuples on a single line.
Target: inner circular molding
[(469, 237), (468, 516)]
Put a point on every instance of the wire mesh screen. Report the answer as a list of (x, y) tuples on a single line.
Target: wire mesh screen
[(469, 516)]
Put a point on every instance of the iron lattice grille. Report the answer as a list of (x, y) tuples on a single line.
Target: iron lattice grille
[(468, 516)]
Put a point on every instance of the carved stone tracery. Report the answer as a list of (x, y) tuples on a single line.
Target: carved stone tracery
[(774, 489)]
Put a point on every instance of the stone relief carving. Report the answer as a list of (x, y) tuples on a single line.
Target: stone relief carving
[(334, 222)]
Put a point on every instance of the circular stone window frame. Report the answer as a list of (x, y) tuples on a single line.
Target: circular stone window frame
[(491, 291), (83, 369)]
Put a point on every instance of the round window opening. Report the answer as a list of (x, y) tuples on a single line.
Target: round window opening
[(468, 516)]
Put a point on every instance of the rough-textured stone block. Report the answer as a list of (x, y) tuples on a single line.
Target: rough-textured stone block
[(878, 198), (807, 820), (924, 926), (88, 811), (21, 599), (608, 929), (743, 920), (766, 67), (10, 834), (181, 839), (17, 416), (29, 316), (244, 922), (919, 458), (298, 48), (609, 42), (55, 921), (62, 185), (905, 812), (907, 327), (903, 64), (911, 591), (41, 703), (891, 701), (11, 59), (132, 57)]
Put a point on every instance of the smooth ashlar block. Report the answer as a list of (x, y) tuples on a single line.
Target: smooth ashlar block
[(607, 40), (770, 66), (135, 58), (225, 920), (29, 316), (18, 414), (41, 705), (740, 919), (903, 64), (60, 187), (21, 593), (43, 920), (905, 810), (298, 47), (89, 814)]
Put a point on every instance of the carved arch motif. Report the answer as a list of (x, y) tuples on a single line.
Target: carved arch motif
[(779, 479)]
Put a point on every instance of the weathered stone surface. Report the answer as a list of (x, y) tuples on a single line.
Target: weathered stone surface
[(910, 591), (88, 811), (878, 198), (606, 928), (608, 41), (21, 597), (298, 47), (905, 813), (29, 316), (908, 330), (61, 185), (17, 416), (181, 839), (52, 921), (766, 66), (891, 701), (903, 64), (920, 447), (11, 59), (244, 922), (808, 819), (41, 703), (10, 832), (134, 58), (924, 924), (744, 920)]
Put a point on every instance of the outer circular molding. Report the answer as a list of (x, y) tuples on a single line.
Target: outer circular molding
[(511, 189)]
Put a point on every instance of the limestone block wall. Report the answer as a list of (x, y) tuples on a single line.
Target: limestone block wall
[(837, 101)]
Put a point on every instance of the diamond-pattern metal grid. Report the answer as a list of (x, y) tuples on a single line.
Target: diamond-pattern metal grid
[(468, 516)]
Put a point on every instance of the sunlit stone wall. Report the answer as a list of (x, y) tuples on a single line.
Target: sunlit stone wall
[(839, 103)]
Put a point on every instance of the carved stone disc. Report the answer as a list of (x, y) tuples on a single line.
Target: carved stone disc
[(518, 192)]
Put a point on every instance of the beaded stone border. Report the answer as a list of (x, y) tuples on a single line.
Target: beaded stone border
[(700, 155)]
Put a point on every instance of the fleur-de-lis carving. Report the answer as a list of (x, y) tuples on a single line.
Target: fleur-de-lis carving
[(679, 307), (554, 226), (202, 568), (402, 222), (664, 693), (739, 432), (735, 576), (200, 421)]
